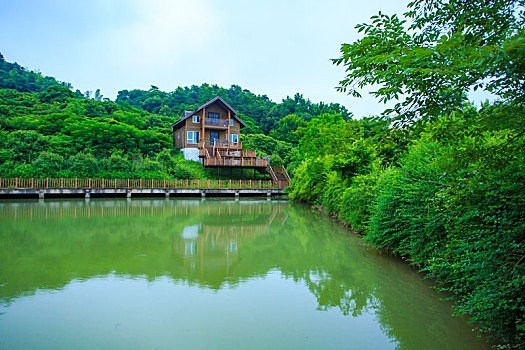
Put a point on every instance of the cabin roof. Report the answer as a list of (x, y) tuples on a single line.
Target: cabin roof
[(219, 99)]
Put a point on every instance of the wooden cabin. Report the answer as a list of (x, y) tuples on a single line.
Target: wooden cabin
[(211, 134)]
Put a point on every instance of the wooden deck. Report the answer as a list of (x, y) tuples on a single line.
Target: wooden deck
[(32, 187), (229, 154), (235, 162), (63, 183)]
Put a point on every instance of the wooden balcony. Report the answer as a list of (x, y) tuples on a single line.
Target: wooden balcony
[(221, 144), (227, 154), (235, 162), (243, 153), (213, 122)]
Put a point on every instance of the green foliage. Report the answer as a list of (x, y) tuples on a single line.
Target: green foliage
[(56, 93), (259, 113), (357, 201), (430, 64), (309, 179), (55, 134), (287, 128), (452, 198), (49, 164), (408, 215), (25, 145), (452, 204), (83, 164), (266, 145), (327, 134), (14, 76)]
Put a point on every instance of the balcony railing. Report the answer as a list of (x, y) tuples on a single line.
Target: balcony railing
[(216, 122), (244, 153), (221, 144), (242, 162)]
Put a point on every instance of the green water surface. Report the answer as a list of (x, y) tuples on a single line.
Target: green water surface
[(206, 274)]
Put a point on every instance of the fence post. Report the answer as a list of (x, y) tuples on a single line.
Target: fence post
[(230, 184), (32, 182), (47, 182), (61, 182), (76, 183), (89, 183)]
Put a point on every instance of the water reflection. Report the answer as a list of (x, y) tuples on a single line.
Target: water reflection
[(220, 245)]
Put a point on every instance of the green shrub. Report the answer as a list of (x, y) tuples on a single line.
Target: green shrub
[(82, 165), (49, 164)]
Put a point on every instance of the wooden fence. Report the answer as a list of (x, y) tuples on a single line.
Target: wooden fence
[(34, 183)]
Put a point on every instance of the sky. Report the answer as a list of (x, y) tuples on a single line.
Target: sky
[(272, 47)]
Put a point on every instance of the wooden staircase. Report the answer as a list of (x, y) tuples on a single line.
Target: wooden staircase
[(279, 175)]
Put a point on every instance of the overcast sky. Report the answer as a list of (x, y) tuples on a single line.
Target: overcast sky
[(272, 47)]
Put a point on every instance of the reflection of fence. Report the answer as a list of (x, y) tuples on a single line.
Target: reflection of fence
[(155, 208), (48, 183)]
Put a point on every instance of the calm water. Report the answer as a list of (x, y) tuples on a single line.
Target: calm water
[(212, 274)]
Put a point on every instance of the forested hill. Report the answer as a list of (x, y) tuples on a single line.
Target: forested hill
[(49, 130), (259, 112), (14, 76)]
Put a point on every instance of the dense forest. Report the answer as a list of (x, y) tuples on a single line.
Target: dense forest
[(436, 180), (49, 130)]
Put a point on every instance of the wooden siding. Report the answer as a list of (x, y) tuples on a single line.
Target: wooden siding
[(180, 135), (191, 126)]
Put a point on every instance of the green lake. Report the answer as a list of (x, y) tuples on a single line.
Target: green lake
[(206, 274)]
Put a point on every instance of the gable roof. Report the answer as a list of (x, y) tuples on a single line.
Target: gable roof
[(188, 114)]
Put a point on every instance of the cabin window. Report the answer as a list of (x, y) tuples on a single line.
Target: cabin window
[(231, 122), (212, 115), (193, 136), (234, 138), (196, 119)]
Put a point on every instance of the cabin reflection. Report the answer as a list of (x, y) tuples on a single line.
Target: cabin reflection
[(211, 247)]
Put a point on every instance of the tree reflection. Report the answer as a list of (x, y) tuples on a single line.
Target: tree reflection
[(218, 244)]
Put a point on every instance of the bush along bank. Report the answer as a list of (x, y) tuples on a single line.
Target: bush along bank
[(452, 202)]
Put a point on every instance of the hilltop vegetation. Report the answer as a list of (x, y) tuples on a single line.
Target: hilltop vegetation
[(47, 130), (259, 113)]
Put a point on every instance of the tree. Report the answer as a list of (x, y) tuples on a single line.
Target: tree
[(57, 93), (430, 65), (287, 128), (98, 95)]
